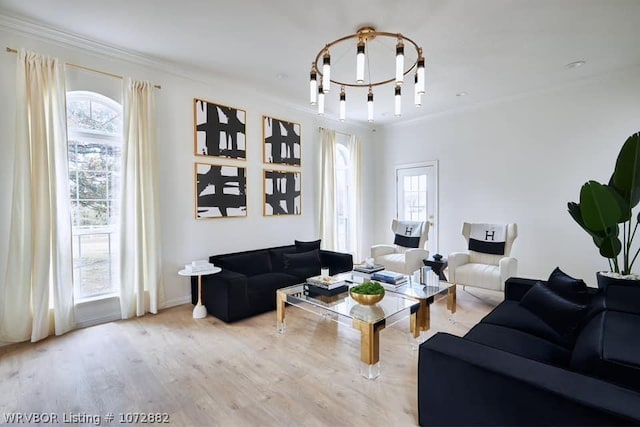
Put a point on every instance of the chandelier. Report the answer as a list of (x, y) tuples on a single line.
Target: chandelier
[(361, 44)]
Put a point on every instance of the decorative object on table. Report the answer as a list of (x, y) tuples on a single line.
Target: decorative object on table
[(368, 269), (219, 130), (282, 193), (438, 265), (370, 47), (221, 191), (390, 279), (326, 282), (485, 264), (367, 293), (603, 207), (396, 257), (281, 142), (199, 268)]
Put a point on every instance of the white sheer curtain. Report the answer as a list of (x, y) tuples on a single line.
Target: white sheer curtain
[(355, 207), (37, 296), (328, 214), (140, 263)]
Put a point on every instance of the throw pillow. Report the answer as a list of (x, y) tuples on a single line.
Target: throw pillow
[(562, 315), (307, 246), (568, 287), (303, 264)]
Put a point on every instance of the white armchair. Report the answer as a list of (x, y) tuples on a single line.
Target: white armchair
[(398, 258), (484, 270)]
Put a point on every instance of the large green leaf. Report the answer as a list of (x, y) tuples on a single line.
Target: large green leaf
[(610, 247), (625, 209), (599, 207), (626, 175)]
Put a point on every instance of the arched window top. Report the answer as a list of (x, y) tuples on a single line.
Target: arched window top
[(91, 111)]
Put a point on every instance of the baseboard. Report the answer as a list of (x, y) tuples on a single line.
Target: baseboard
[(176, 301)]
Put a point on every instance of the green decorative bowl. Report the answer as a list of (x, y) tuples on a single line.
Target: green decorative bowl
[(365, 299)]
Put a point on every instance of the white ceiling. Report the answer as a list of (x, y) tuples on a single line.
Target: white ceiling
[(490, 49)]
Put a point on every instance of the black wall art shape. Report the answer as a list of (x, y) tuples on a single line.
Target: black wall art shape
[(282, 193), (219, 130), (221, 191), (281, 141)]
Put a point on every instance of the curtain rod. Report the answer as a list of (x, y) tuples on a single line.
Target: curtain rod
[(80, 67), (336, 131)]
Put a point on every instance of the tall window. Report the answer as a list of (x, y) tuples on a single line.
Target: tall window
[(94, 126), (344, 194)]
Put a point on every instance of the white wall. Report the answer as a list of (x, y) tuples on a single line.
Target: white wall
[(520, 160), (184, 238)]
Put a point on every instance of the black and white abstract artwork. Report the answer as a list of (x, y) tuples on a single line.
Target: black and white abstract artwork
[(219, 130), (221, 191), (282, 195), (281, 141)]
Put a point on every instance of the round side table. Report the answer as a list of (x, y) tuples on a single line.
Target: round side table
[(199, 311)]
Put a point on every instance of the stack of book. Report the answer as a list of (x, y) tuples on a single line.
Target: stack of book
[(390, 279), (363, 272), (198, 266), (325, 285)]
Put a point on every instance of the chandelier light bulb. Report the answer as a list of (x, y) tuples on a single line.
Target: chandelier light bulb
[(417, 96), (370, 105), (343, 105), (398, 102), (326, 71), (360, 62), (420, 82), (313, 86), (399, 62), (320, 101)]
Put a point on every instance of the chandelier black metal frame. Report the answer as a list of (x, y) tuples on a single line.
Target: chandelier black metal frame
[(320, 76)]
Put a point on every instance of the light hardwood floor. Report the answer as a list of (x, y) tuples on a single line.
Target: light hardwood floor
[(204, 372)]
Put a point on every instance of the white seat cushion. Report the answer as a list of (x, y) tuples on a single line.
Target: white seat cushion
[(393, 262), (480, 275)]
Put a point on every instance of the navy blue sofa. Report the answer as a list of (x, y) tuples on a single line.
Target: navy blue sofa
[(517, 368), (247, 284)]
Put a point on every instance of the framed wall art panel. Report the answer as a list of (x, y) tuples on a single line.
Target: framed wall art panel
[(281, 141), (221, 191), (219, 130), (282, 193)]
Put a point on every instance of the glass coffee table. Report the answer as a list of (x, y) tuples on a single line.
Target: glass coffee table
[(426, 295), (369, 320)]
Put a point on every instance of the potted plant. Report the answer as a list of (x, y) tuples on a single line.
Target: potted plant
[(605, 212)]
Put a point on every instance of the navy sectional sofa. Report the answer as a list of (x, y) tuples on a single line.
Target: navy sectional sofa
[(538, 359), (247, 284)]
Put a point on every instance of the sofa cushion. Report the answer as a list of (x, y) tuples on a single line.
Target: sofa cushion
[(520, 343), (561, 314), (261, 289), (303, 264), (307, 246), (483, 275), (250, 264), (512, 315), (277, 263), (568, 287), (608, 347)]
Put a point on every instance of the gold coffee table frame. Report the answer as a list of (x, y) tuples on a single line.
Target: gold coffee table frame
[(426, 295), (369, 320)]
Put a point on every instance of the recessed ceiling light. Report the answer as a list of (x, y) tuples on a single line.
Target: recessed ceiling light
[(463, 93), (575, 64)]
